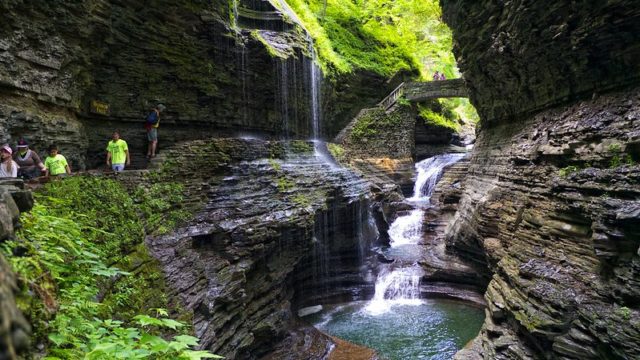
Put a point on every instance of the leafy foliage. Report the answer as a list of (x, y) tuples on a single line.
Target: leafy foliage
[(68, 248), (438, 113), (383, 36)]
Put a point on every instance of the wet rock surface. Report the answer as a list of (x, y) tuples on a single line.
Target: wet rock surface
[(56, 59), (553, 181), (519, 57), (551, 206), (14, 328), (248, 261)]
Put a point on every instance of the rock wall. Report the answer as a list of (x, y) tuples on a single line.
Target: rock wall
[(14, 328), (552, 195), (248, 261), (215, 79), (519, 57)]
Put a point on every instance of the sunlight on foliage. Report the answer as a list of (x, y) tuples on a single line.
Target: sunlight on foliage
[(383, 36)]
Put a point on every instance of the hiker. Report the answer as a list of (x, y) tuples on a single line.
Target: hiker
[(55, 164), (436, 76), (8, 167), (151, 123), (28, 160), (117, 153), (442, 77)]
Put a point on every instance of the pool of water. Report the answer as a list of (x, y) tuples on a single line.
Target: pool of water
[(434, 329)]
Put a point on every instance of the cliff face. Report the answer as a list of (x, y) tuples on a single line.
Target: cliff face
[(520, 57), (214, 78), (14, 329), (281, 230), (552, 195)]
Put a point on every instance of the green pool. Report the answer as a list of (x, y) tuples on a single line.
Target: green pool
[(434, 329)]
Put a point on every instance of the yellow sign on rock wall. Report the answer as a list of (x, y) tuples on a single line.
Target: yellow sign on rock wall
[(98, 107)]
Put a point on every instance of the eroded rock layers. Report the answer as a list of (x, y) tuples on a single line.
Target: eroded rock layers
[(271, 228), (551, 203), (14, 328), (73, 71)]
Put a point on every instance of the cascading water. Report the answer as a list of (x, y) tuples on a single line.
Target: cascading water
[(401, 285)]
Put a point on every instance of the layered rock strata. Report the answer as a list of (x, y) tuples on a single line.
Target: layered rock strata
[(447, 274), (552, 207), (552, 195), (279, 228), (14, 329), (72, 72)]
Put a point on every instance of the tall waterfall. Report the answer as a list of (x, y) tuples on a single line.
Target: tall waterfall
[(401, 285)]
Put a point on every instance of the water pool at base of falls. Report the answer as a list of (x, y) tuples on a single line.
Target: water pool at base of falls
[(434, 329)]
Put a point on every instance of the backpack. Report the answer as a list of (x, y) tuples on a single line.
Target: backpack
[(152, 117)]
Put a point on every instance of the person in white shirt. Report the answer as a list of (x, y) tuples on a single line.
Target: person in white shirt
[(8, 167)]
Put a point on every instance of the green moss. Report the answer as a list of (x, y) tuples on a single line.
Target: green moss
[(302, 200), (374, 122), (568, 170), (275, 165), (284, 184), (336, 150), (301, 147), (439, 114), (272, 51)]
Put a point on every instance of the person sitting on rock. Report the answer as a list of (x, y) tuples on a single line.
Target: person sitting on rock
[(55, 164), (442, 77), (436, 76), (28, 160), (117, 153), (8, 167)]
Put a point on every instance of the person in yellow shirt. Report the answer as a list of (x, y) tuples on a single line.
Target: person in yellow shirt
[(55, 164), (117, 153)]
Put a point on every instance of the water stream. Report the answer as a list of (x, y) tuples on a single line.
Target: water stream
[(397, 321)]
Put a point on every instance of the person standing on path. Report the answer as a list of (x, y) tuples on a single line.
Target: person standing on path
[(152, 122), (55, 164), (28, 160), (8, 167), (117, 153)]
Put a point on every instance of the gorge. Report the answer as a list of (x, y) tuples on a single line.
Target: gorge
[(283, 194)]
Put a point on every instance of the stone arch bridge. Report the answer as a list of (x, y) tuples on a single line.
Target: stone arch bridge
[(421, 91)]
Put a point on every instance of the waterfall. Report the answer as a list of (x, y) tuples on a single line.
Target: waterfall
[(429, 172), (402, 284)]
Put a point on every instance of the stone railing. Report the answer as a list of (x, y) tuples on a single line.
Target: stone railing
[(420, 91), (14, 329)]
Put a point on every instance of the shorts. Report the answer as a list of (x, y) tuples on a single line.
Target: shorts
[(29, 172), (152, 134), (117, 167)]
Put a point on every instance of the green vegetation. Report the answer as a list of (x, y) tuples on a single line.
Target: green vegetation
[(383, 36), (439, 113), (284, 184), (302, 200), (273, 52), (336, 150), (624, 312), (364, 128), (568, 170), (87, 285), (619, 158), (375, 122), (301, 147)]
